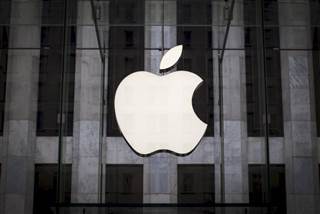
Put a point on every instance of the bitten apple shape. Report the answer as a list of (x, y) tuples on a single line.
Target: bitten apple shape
[(155, 113)]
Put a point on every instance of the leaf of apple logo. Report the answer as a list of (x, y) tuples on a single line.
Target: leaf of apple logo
[(155, 113), (171, 57)]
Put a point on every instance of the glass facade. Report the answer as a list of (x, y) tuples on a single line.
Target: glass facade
[(61, 150)]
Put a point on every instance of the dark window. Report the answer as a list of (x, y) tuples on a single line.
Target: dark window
[(3, 73), (186, 12), (4, 41), (52, 63), (53, 10), (5, 9), (187, 37), (194, 12), (315, 30), (45, 186), (124, 183), (195, 183), (129, 38), (258, 186), (126, 54), (197, 53), (126, 12), (258, 58)]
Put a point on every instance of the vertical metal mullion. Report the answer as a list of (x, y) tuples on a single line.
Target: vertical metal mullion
[(62, 96), (221, 109), (102, 102), (222, 194), (162, 28), (102, 121), (266, 110)]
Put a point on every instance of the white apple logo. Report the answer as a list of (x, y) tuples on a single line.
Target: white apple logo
[(155, 113)]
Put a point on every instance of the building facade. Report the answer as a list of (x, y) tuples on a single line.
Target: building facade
[(61, 62)]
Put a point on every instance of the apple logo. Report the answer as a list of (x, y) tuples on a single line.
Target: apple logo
[(155, 113)]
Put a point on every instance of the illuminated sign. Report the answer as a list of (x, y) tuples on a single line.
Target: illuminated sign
[(155, 113)]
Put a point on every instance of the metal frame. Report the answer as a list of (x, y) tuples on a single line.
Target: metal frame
[(221, 116)]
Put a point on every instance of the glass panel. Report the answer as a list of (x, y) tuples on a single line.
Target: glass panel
[(37, 92), (158, 26), (51, 64)]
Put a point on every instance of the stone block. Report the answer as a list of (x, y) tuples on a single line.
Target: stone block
[(47, 150), (19, 138), (87, 176), (303, 175), (15, 203), (88, 138), (256, 150)]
